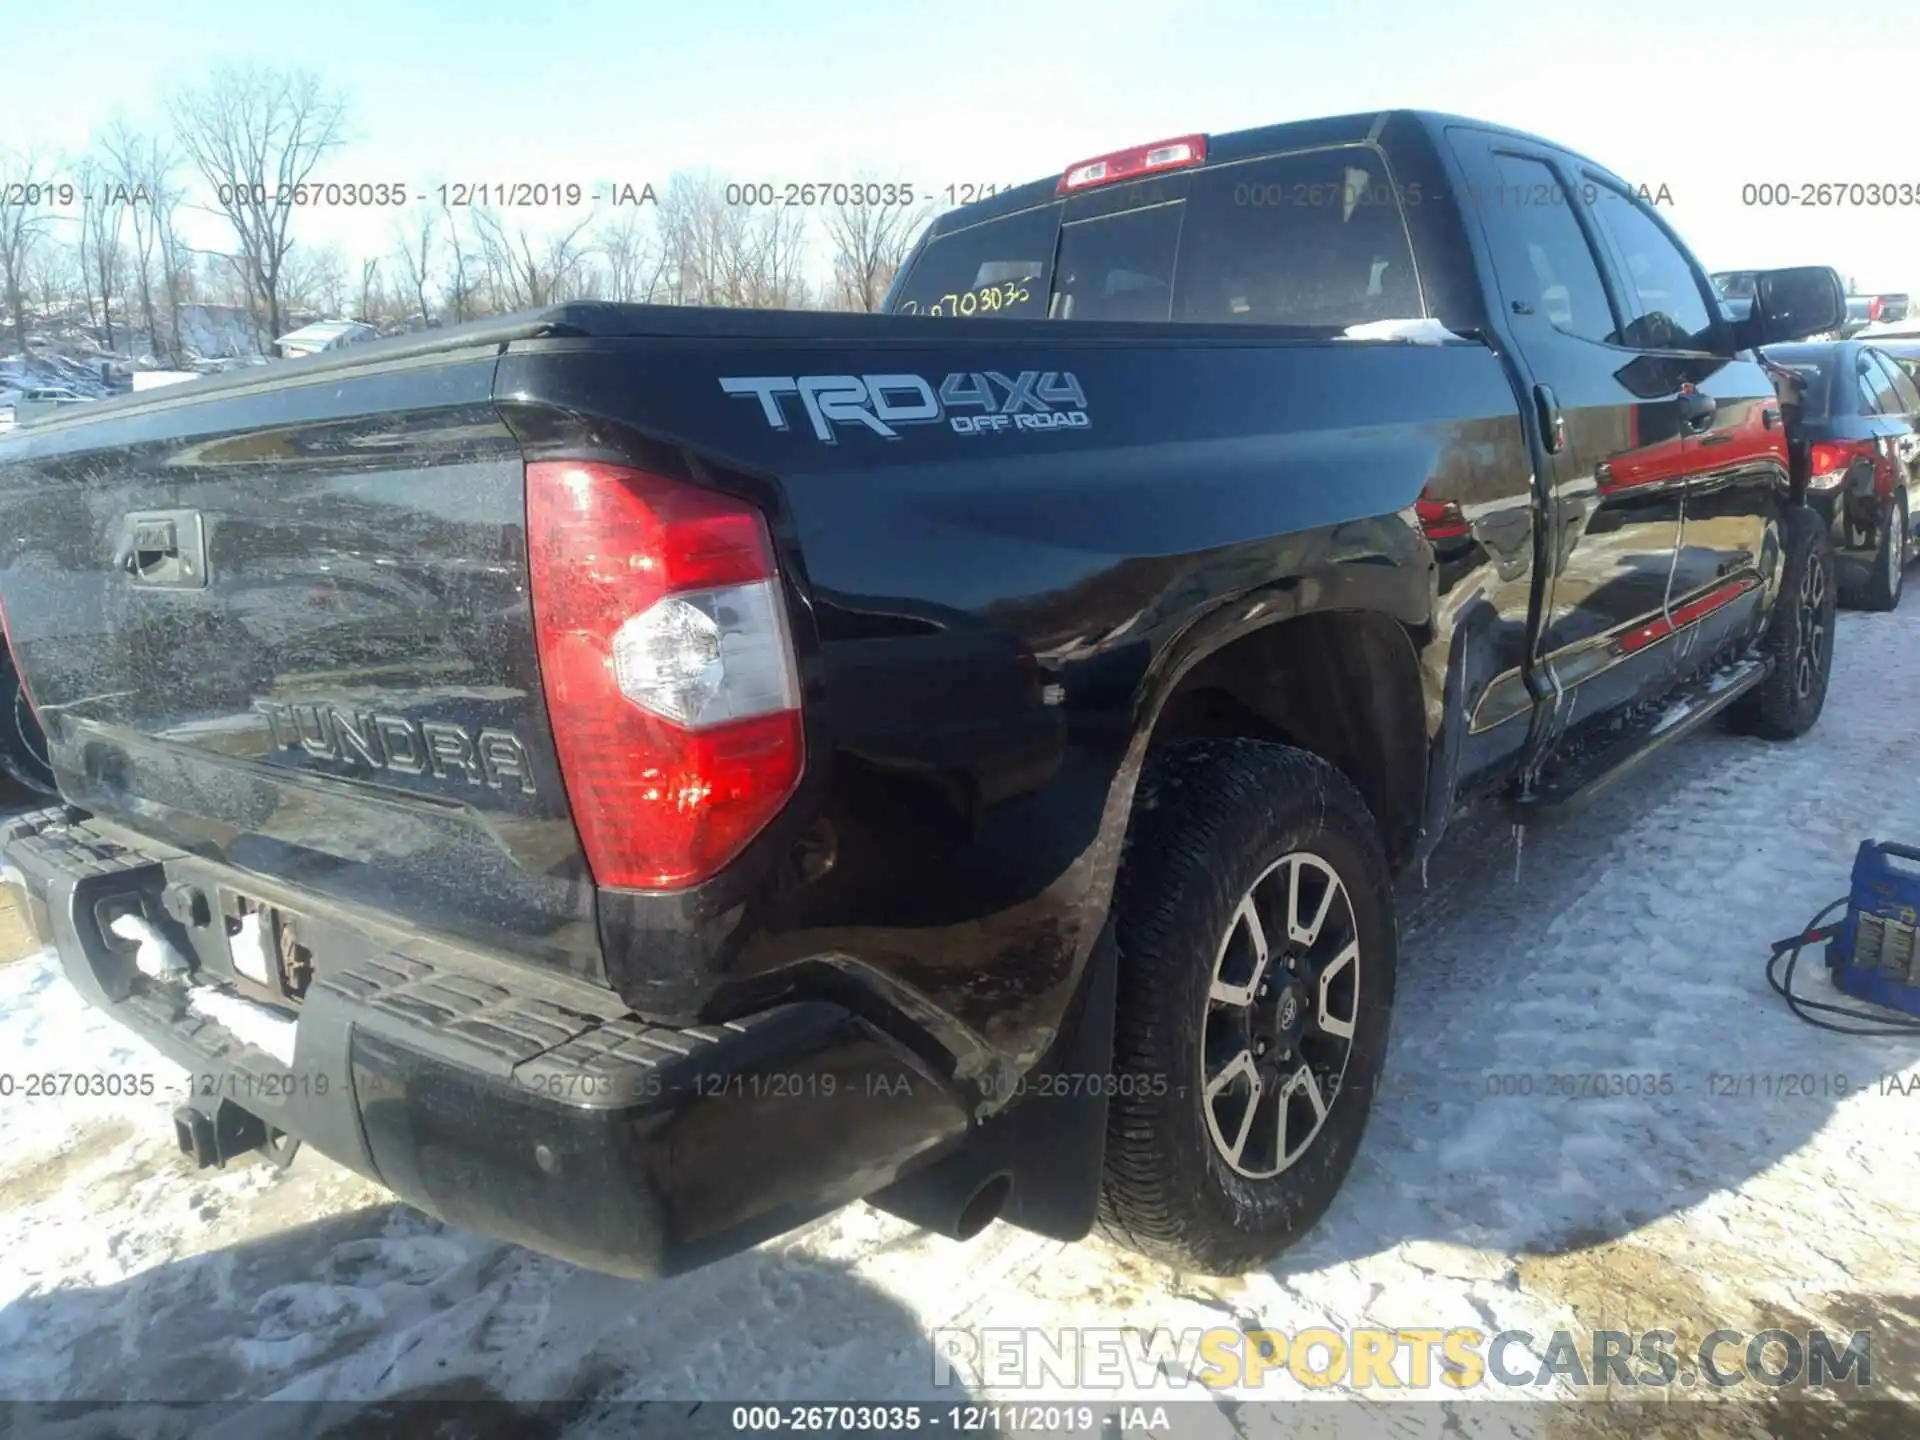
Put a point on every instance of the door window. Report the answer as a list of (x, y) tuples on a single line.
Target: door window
[(1548, 264), (1316, 238), (1665, 307)]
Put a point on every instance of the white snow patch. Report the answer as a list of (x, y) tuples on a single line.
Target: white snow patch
[(249, 947), (1587, 1069), (255, 1024), (1415, 331), (155, 956)]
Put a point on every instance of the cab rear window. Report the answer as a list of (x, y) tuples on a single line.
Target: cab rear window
[(1315, 239), (1000, 267)]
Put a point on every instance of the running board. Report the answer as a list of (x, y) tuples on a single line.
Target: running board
[(1566, 786)]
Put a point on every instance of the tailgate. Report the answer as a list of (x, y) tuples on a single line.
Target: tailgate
[(286, 626)]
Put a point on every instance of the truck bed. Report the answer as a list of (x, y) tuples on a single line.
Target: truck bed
[(348, 701)]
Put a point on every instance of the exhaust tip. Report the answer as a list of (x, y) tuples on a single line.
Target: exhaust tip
[(983, 1207)]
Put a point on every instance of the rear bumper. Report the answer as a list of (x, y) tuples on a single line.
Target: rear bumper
[(529, 1107), (1856, 545)]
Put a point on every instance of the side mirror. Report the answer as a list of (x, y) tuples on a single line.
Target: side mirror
[(1792, 304)]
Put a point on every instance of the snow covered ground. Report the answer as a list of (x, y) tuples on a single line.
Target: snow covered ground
[(1627, 943)]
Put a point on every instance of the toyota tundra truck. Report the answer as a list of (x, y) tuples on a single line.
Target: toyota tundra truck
[(632, 780)]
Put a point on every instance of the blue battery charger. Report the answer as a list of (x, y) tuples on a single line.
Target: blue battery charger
[(1876, 955)]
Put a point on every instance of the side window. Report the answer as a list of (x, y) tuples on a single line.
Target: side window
[(1876, 386), (1906, 380), (1666, 310), (1898, 394), (1309, 239), (1561, 279), (1118, 267), (1868, 382)]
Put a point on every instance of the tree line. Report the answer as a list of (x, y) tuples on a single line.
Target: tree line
[(98, 237)]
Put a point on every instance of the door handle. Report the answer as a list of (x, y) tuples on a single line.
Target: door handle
[(1696, 411), (1553, 425)]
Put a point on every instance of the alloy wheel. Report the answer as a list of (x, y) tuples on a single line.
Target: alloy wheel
[(1280, 1016), (1810, 658)]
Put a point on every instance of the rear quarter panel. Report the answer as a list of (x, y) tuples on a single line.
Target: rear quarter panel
[(989, 622)]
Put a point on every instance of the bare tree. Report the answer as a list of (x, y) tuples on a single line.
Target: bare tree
[(461, 273), (774, 277), (870, 240), (216, 277), (142, 167), (716, 253), (722, 254), (371, 298), (636, 264), (55, 280), (415, 249), (524, 271), (23, 220), (701, 235), (103, 218), (325, 289), (256, 133)]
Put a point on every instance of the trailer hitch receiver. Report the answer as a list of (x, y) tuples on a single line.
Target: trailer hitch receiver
[(226, 1134)]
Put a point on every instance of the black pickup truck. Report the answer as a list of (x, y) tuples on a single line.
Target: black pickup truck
[(633, 779)]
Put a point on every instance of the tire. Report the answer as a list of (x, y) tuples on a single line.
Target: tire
[(23, 744), (1799, 636), (1883, 587), (1212, 818)]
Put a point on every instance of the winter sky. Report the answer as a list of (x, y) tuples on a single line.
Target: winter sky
[(1700, 99)]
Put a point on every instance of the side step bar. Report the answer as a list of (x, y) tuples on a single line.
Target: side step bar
[(1566, 787)]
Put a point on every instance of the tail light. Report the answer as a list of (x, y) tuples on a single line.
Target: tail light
[(1830, 460), (667, 666), (1131, 164), (1440, 519), (1876, 307)]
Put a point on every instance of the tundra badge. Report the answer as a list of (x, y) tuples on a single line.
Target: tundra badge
[(491, 757)]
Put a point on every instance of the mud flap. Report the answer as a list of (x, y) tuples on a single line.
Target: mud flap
[(1044, 1152)]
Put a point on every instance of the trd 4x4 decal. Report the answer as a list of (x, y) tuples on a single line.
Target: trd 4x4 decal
[(970, 402)]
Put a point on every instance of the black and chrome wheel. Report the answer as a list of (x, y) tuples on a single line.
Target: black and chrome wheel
[(1255, 924), (1883, 587), (1799, 635), (1278, 1029), (1813, 600)]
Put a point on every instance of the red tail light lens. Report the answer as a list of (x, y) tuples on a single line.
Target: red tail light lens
[(1829, 460), (667, 667), (1876, 308), (1441, 519)]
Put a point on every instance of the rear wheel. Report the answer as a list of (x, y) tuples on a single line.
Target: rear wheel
[(1883, 587), (23, 744), (1257, 941), (1799, 636)]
